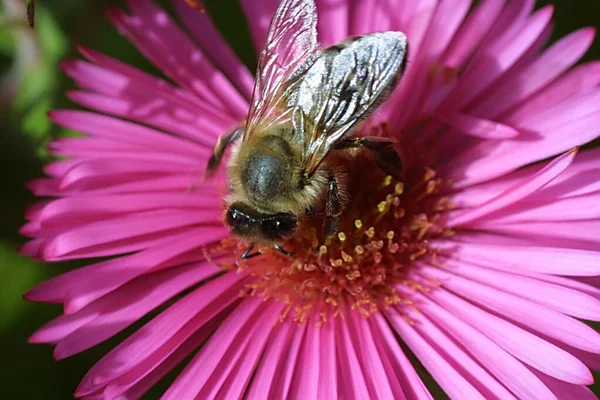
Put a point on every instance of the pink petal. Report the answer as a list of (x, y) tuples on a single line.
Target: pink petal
[(114, 92), (555, 296), (273, 360), (354, 379), (496, 58), (471, 32), (507, 369), (158, 85), (306, 373), (281, 384), (258, 16), (102, 126), (212, 43), (572, 234), (58, 213), (163, 43), (560, 128), (166, 331), (399, 365), (379, 383), (106, 237), (137, 299), (328, 370), (158, 110), (137, 381), (479, 127), (579, 179), (586, 207), (515, 193), (522, 344), (331, 29), (218, 356), (566, 391), (81, 172), (123, 306), (516, 88), (460, 360), (417, 16), (580, 80), (453, 383), (243, 364), (528, 314), (360, 16), (547, 260), (444, 23), (170, 252), (509, 23), (76, 291), (102, 149)]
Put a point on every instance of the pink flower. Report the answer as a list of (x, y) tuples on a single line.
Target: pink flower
[(483, 262)]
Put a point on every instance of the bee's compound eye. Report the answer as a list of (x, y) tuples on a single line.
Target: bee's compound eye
[(235, 218), (279, 226)]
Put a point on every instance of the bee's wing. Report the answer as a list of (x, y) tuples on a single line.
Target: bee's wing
[(289, 50), (343, 86)]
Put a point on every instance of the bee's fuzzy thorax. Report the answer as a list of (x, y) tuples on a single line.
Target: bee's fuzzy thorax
[(290, 195)]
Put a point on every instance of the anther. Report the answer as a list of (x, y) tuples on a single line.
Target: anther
[(429, 174), (358, 223), (399, 188), (430, 187), (347, 257), (336, 263), (353, 275)]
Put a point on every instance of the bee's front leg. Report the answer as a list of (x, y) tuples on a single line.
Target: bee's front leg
[(248, 253), (219, 151), (386, 156), (333, 208)]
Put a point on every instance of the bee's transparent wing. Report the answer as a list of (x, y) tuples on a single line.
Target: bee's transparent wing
[(343, 86), (290, 49)]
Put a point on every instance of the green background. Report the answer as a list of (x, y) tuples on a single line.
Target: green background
[(28, 371)]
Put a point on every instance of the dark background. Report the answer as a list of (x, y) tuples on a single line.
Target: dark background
[(28, 371)]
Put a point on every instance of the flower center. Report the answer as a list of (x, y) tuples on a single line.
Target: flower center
[(385, 228)]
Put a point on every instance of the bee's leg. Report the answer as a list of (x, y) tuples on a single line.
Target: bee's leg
[(247, 254), (333, 209), (386, 156), (219, 151), (283, 251)]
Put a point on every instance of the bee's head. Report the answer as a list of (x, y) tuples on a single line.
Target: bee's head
[(245, 221)]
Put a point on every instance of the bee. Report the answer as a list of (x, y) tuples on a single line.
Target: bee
[(306, 104)]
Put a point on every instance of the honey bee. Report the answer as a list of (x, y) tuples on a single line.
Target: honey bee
[(306, 104)]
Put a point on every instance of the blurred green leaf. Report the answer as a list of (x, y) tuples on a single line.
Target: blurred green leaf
[(17, 275), (53, 41), (39, 82), (7, 40)]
